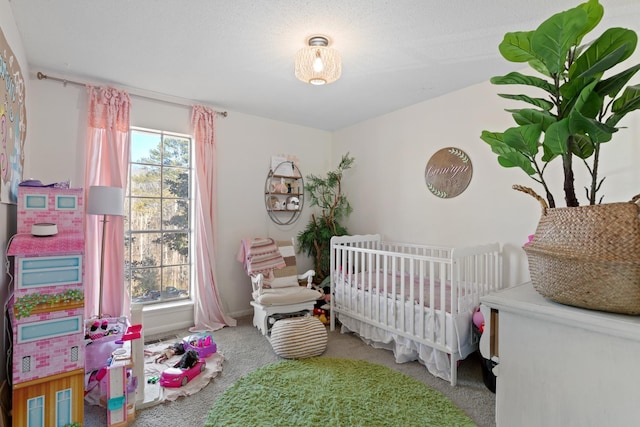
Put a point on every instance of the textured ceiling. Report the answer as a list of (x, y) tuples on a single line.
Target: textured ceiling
[(238, 55)]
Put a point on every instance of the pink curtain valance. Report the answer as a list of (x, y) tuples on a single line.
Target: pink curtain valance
[(203, 121), (109, 109)]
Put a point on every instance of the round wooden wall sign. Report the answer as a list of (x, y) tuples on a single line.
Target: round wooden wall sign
[(448, 172)]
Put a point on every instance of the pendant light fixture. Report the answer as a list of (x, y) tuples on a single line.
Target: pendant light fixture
[(318, 64)]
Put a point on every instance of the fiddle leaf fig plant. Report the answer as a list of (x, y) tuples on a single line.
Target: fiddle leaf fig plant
[(326, 193), (579, 109)]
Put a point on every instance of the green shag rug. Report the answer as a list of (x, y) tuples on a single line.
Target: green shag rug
[(324, 391)]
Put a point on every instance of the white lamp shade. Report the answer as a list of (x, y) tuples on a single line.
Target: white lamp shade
[(104, 200)]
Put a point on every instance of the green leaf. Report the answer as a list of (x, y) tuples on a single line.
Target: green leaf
[(516, 47), (524, 138), (593, 105), (538, 102), (572, 88), (584, 97), (496, 141), (595, 12), (582, 146), (596, 131), (628, 101), (614, 84), (587, 101), (612, 47), (553, 39), (547, 154), (537, 65), (508, 156), (609, 61), (515, 159), (515, 78), (491, 137), (529, 116), (555, 138)]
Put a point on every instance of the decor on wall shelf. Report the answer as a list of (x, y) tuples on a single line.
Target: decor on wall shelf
[(448, 172), (318, 64), (586, 256), (104, 201), (284, 191)]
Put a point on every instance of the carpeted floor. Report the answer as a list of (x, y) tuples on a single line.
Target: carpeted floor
[(245, 350), (335, 392)]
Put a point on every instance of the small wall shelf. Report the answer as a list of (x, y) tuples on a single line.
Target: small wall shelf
[(284, 193)]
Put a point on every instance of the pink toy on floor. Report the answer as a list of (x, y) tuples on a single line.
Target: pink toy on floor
[(202, 343), (478, 320)]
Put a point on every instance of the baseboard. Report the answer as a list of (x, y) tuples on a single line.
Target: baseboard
[(160, 319), (163, 329), (242, 313)]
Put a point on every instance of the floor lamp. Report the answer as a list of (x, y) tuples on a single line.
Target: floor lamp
[(104, 201)]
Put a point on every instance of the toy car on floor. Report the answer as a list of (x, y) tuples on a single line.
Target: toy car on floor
[(202, 343), (184, 371)]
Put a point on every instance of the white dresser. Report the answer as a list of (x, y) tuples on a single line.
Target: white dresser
[(562, 366)]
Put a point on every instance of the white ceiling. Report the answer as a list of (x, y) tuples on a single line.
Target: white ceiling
[(238, 54)]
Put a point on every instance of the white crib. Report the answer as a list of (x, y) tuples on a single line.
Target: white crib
[(416, 300)]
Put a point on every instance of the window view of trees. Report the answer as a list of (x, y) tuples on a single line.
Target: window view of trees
[(158, 216)]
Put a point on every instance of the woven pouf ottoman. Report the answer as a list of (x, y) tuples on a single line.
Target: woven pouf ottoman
[(299, 337)]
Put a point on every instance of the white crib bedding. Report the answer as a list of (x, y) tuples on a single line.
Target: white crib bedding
[(404, 349), (375, 283), (379, 282), (390, 332)]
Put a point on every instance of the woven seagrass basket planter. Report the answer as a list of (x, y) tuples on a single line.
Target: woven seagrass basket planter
[(588, 256)]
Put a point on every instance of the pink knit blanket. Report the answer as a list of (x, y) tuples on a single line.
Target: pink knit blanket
[(260, 255)]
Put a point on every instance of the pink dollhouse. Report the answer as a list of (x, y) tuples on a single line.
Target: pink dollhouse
[(47, 309)]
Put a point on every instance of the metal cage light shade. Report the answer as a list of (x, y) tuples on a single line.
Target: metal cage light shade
[(318, 64)]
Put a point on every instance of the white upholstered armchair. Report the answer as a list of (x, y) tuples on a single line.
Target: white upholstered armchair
[(278, 293)]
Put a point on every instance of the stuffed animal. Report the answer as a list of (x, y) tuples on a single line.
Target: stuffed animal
[(478, 320), (323, 318)]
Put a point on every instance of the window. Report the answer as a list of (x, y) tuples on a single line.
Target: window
[(35, 411), (63, 407), (158, 217)]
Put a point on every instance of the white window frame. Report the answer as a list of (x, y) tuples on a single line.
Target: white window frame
[(185, 305)]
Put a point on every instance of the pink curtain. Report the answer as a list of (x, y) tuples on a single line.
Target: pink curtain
[(208, 312), (107, 163)]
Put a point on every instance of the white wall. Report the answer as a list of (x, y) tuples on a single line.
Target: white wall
[(8, 212), (245, 144), (391, 153)]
